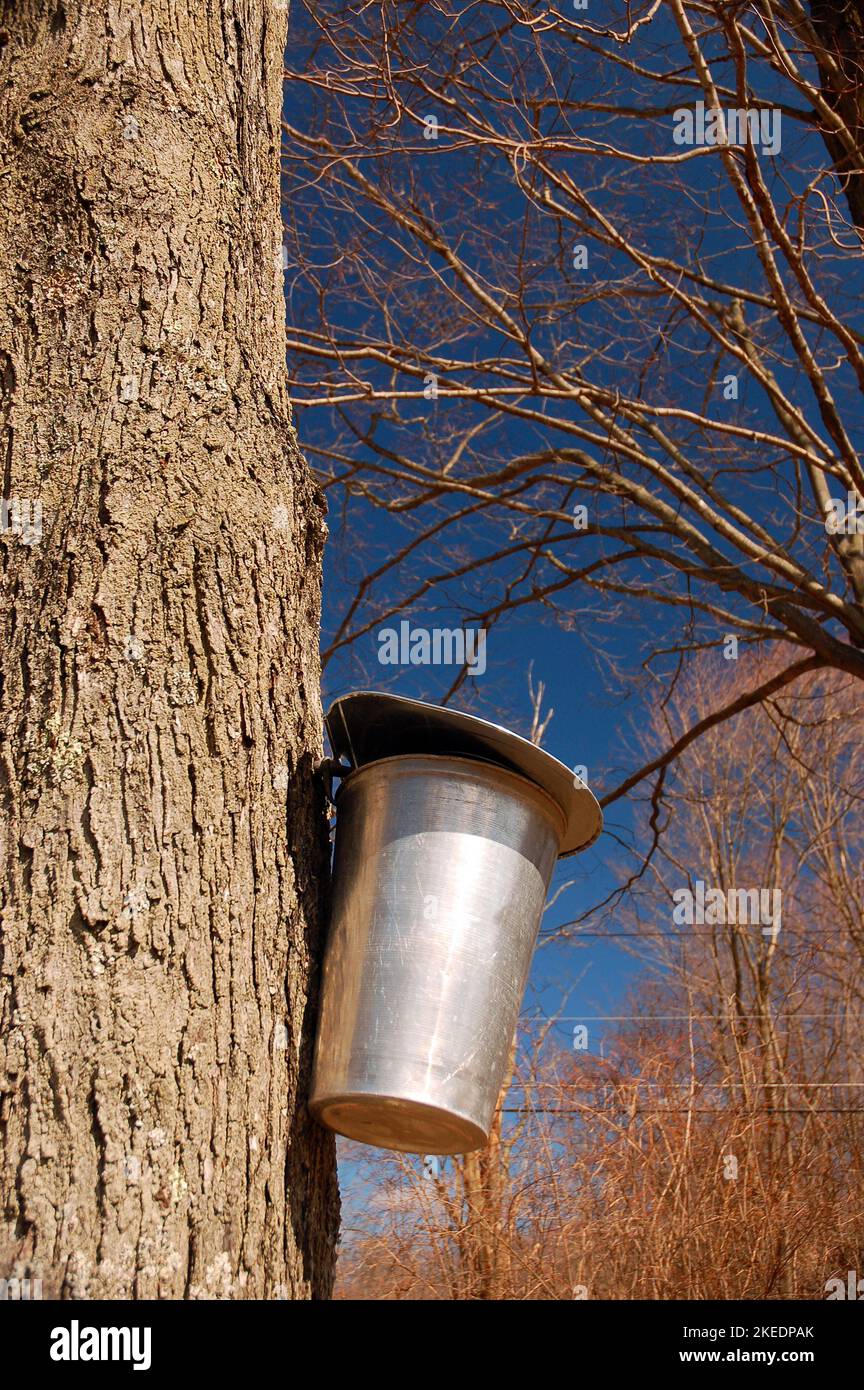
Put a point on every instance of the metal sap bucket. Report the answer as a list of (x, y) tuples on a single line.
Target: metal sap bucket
[(442, 866)]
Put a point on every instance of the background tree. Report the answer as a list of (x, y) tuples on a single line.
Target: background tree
[(164, 845), (584, 366), (550, 358), (710, 1144)]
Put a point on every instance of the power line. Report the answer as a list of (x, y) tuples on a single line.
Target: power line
[(684, 1018), (689, 1110), (684, 934), (702, 1085)]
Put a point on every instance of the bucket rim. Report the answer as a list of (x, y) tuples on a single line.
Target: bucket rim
[(370, 726), (447, 759)]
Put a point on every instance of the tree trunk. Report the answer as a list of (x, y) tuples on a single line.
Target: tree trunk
[(839, 26), (164, 844)]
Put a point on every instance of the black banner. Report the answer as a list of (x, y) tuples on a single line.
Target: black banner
[(85, 1340)]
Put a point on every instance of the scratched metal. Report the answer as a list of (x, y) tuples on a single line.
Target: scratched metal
[(441, 873)]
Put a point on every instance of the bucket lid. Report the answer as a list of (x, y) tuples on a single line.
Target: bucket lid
[(369, 725)]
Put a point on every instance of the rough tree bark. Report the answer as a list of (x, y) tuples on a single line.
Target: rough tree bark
[(164, 841)]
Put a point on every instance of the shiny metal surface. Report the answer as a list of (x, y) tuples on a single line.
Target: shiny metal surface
[(368, 725), (441, 873)]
